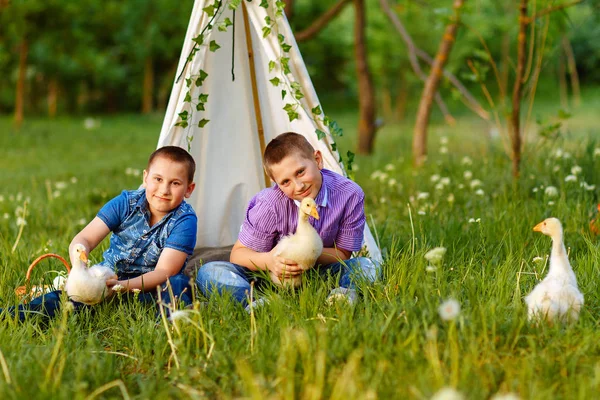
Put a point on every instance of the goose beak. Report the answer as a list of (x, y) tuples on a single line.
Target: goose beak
[(83, 257), (538, 227), (314, 213)]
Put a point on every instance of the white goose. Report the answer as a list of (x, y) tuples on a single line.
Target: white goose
[(304, 246), (557, 296), (87, 285)]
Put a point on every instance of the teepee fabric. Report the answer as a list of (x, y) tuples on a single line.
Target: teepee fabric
[(227, 149)]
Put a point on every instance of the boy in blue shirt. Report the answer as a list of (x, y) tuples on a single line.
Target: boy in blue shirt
[(153, 234)]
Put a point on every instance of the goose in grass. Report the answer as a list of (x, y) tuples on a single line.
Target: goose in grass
[(87, 285), (557, 296), (304, 246)]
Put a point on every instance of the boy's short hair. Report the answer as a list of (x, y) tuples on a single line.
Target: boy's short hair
[(283, 145), (177, 154)]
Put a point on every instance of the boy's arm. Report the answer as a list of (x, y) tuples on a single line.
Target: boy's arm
[(90, 236), (169, 264), (332, 255), (267, 261)]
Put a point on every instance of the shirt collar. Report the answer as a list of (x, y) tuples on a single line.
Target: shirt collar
[(323, 194)]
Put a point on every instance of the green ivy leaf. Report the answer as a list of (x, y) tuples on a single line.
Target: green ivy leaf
[(203, 97), (298, 95), (184, 115), (283, 93), (234, 4), (210, 10), (264, 4), (334, 146), (275, 81), (198, 39), (317, 110), (350, 156), (188, 97), (200, 107), (266, 30), (286, 47), (272, 65), (320, 134), (182, 124), (188, 82), (203, 122), (214, 46), (268, 20), (292, 115), (285, 64), (281, 38), (202, 76)]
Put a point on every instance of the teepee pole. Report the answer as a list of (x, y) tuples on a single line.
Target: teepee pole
[(257, 110)]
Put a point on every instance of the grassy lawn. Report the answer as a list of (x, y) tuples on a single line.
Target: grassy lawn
[(393, 344)]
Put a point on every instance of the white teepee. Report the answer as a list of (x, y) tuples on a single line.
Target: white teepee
[(244, 113)]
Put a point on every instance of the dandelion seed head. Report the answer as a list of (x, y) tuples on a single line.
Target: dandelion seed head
[(21, 221), (550, 203), (1, 198), (73, 179), (556, 168), (392, 182), (534, 190), (449, 309), (467, 175), (475, 183), (551, 191), (178, 315), (6, 216), (571, 178), (450, 198), (390, 167), (435, 255), (421, 212), (443, 150), (466, 160), (60, 185), (576, 170), (479, 192), (422, 195), (444, 140), (597, 152), (439, 186), (430, 268), (434, 178), (445, 181)]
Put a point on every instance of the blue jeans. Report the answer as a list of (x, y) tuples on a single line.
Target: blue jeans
[(224, 276), (49, 304)]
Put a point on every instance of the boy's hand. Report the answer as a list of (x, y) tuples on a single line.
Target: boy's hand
[(284, 268), (112, 282)]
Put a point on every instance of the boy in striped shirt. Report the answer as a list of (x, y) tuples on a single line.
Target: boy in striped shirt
[(297, 170)]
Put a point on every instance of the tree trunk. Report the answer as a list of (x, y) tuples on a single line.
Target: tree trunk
[(52, 97), (289, 9), (562, 82), (320, 23), (366, 92), (518, 89), (20, 92), (148, 88), (431, 85), (572, 71)]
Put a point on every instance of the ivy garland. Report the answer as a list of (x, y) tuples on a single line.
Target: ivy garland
[(291, 92)]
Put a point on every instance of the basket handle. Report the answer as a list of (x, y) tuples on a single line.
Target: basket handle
[(40, 258)]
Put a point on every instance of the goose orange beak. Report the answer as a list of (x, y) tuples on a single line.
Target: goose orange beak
[(538, 227), (314, 213), (83, 257)]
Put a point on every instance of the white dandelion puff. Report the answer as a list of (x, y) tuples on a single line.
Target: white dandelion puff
[(390, 167), (587, 187), (82, 221), (21, 221), (179, 315), (392, 182), (534, 190), (597, 152), (445, 181), (382, 200), (550, 203), (444, 140), (355, 167), (443, 150), (439, 186), (73, 179), (556, 168), (422, 195), (466, 160), (430, 268), (435, 255), (421, 212), (505, 396), (467, 175), (558, 153), (571, 178), (450, 198), (576, 170), (128, 171), (551, 191), (434, 178), (60, 185), (449, 309), (1, 198), (6, 216), (480, 192), (475, 183), (56, 194), (136, 172)]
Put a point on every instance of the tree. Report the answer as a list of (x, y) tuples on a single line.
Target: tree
[(431, 85)]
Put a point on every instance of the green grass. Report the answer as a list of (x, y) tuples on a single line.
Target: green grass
[(393, 344)]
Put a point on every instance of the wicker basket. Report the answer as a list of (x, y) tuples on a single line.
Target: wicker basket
[(25, 292)]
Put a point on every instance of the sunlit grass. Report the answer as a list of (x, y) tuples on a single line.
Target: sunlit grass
[(393, 344)]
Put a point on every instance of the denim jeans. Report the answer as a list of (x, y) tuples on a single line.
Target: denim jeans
[(49, 303), (224, 276)]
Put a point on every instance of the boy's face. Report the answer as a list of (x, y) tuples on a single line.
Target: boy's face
[(166, 184), (297, 176)]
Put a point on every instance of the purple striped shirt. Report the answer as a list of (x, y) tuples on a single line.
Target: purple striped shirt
[(272, 215)]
